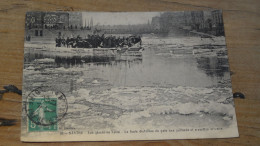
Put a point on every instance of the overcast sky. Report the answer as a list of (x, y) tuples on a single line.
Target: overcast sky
[(118, 18)]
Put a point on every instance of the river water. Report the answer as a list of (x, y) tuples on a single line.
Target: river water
[(119, 91), (165, 63)]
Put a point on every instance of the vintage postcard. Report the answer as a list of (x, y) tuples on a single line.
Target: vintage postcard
[(107, 76)]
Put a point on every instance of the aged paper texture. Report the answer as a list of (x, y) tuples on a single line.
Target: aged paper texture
[(103, 76)]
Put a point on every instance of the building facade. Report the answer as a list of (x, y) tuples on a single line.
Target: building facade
[(155, 24), (75, 20), (40, 23), (59, 20), (56, 20), (218, 25), (197, 18), (210, 22), (34, 20), (187, 18)]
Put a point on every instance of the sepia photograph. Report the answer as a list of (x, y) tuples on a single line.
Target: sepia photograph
[(106, 76)]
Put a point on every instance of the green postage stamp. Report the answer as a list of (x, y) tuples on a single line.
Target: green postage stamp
[(44, 107), (42, 114)]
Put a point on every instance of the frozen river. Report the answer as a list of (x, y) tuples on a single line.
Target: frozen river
[(159, 67), (165, 63), (171, 75)]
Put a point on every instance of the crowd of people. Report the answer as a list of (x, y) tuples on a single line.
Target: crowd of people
[(97, 41)]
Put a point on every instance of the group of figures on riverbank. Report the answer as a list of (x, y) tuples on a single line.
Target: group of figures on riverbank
[(97, 41)]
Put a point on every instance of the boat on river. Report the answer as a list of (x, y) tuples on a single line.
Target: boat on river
[(101, 45)]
